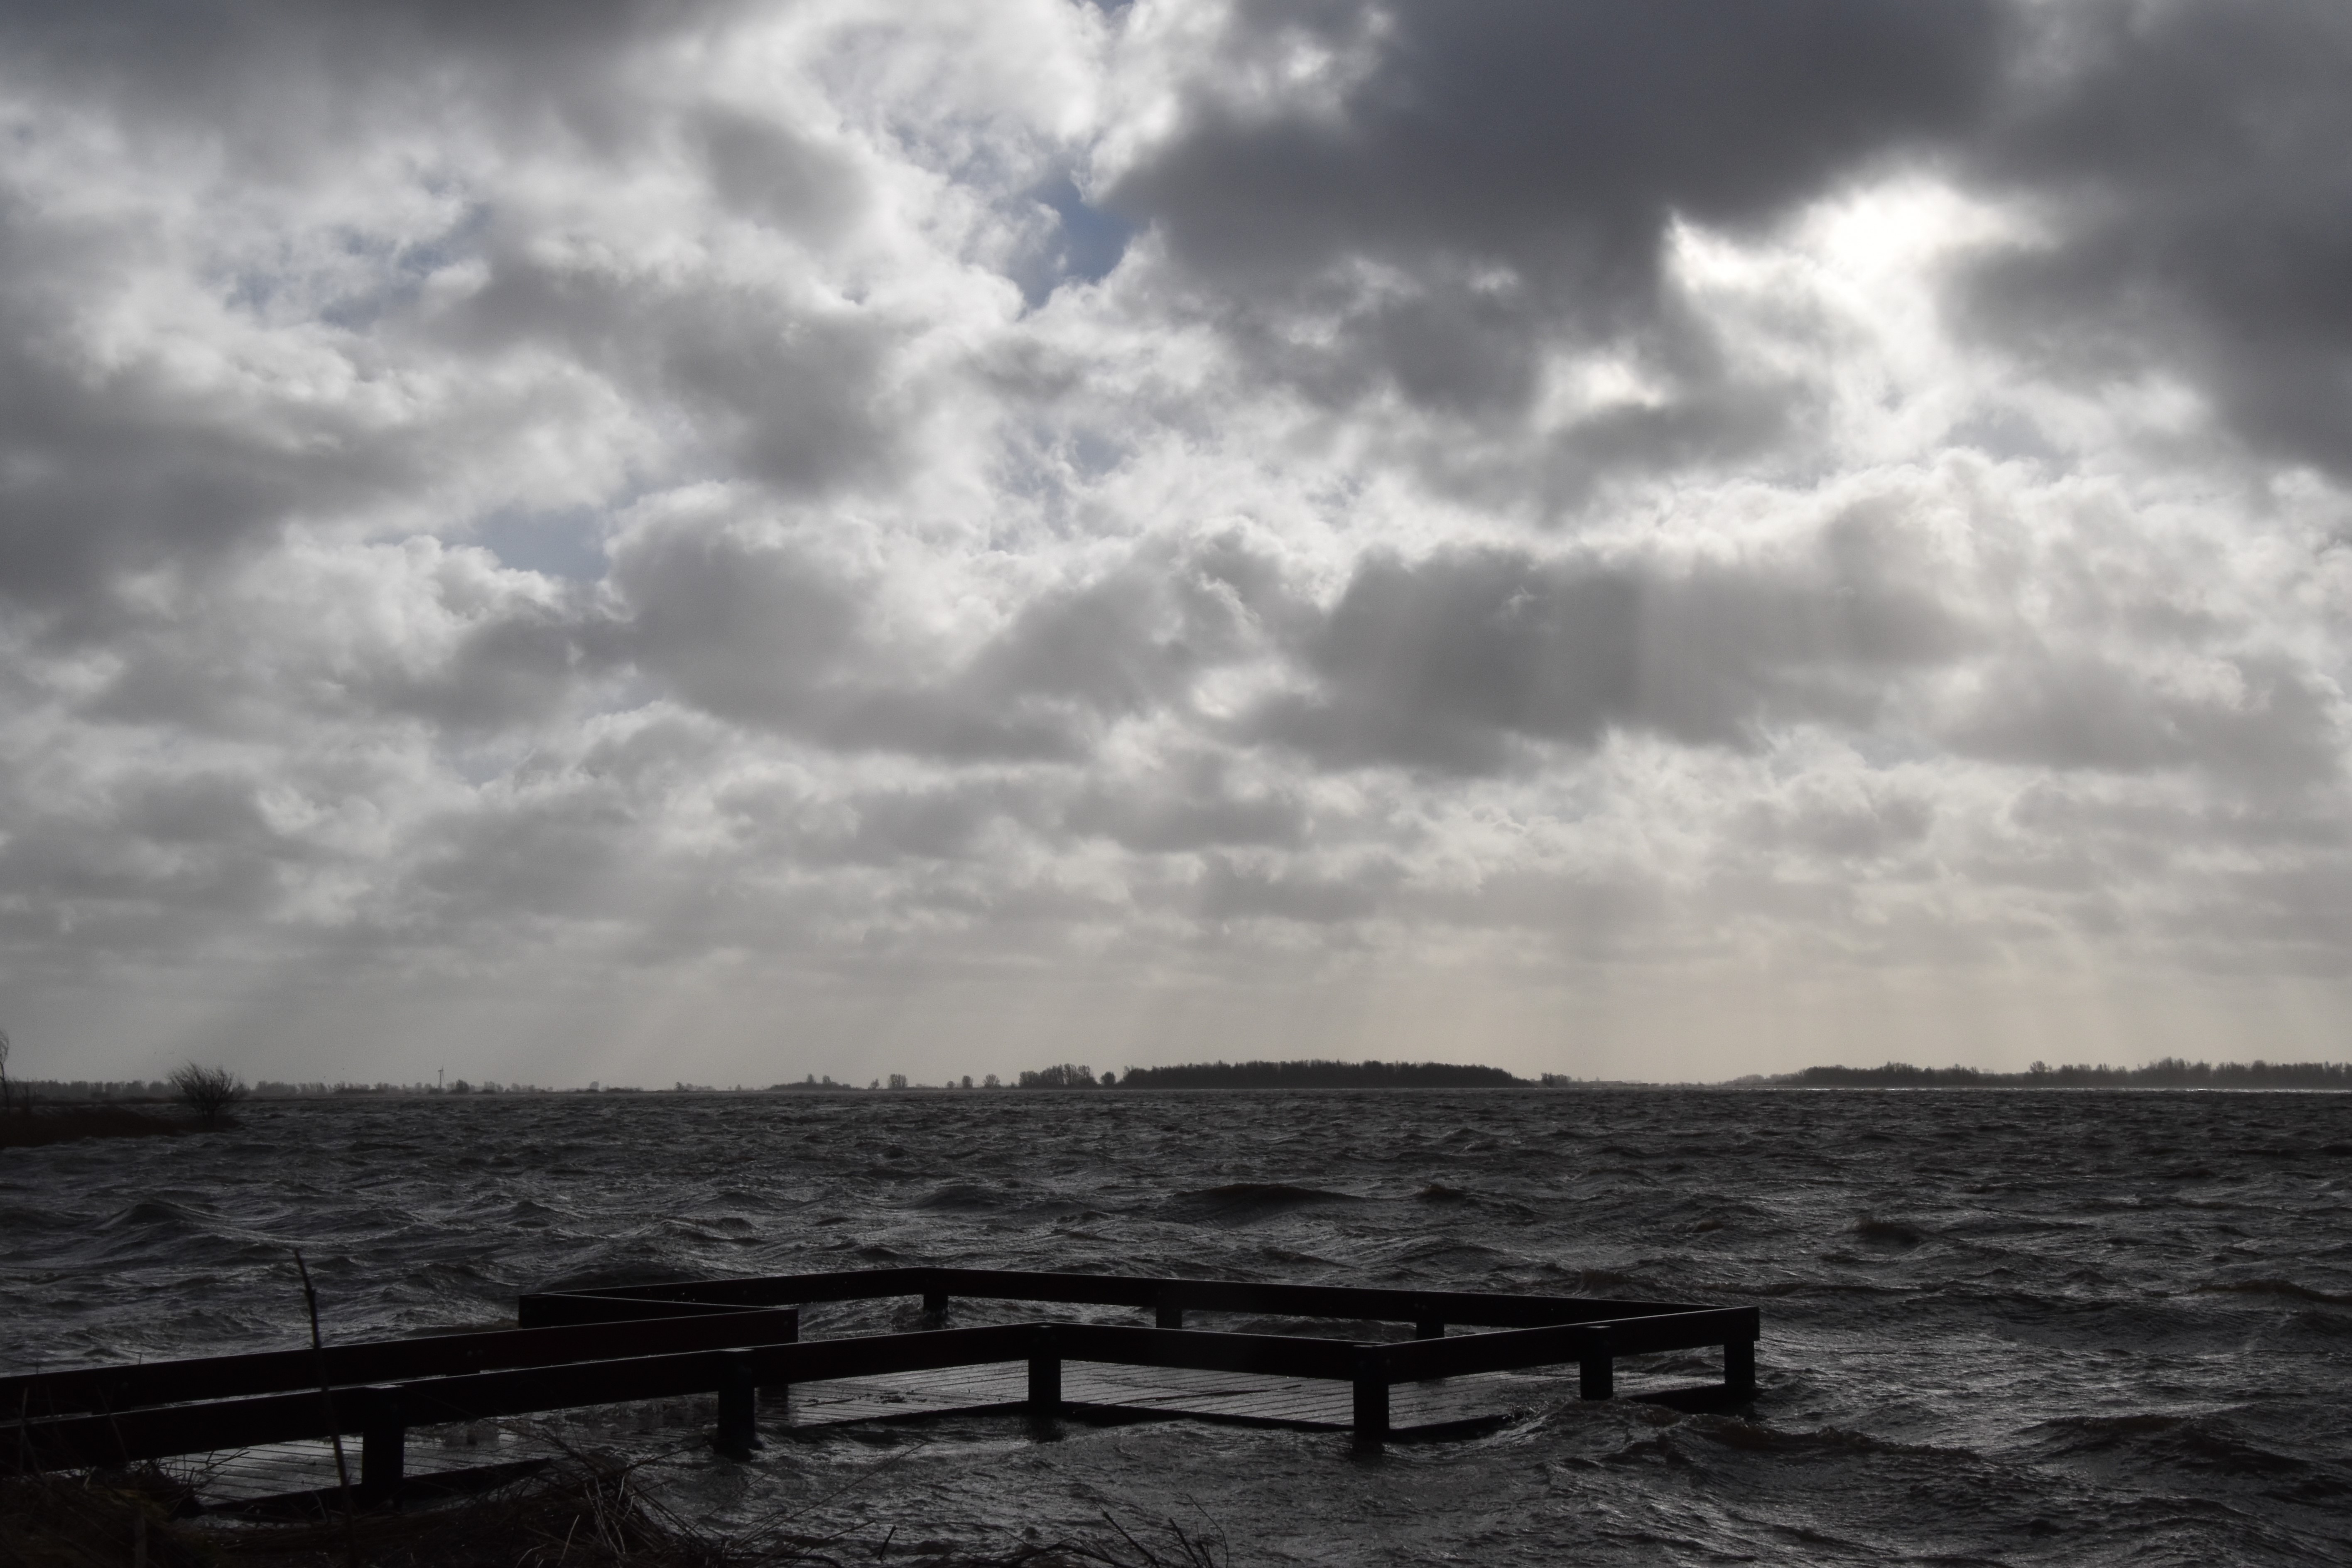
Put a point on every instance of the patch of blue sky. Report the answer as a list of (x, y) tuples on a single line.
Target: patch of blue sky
[(1088, 245), (568, 543)]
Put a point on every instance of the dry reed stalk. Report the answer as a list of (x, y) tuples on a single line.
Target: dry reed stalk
[(327, 1398)]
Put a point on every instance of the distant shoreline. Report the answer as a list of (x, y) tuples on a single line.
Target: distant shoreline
[(1788, 1084), (33, 1129), (56, 1096), (2171, 1072)]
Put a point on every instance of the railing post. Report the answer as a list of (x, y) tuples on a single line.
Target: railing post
[(1428, 1329), (383, 1448), (1371, 1397), (935, 1302), (1169, 1316), (1740, 1366), (739, 1411), (1596, 1373), (1044, 1375), (782, 1399)]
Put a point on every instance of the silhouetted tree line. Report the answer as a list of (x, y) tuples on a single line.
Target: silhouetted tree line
[(2171, 1072), (1318, 1075), (1067, 1075)]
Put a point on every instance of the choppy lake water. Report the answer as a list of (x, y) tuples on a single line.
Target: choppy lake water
[(1998, 1327)]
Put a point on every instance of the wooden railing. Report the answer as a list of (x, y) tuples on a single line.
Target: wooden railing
[(737, 1338)]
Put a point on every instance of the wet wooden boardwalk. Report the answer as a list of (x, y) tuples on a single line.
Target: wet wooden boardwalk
[(624, 1361), (1098, 1389), (230, 1481)]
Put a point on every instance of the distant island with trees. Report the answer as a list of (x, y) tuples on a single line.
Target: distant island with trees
[(1318, 1074), (2171, 1072)]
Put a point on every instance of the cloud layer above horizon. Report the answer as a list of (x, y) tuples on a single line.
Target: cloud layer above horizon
[(711, 540)]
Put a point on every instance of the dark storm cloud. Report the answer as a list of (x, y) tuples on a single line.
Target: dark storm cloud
[(115, 466), (1188, 803), (509, 669), (1840, 826), (1231, 891), (779, 392), (751, 633), (776, 636), (1463, 661), (780, 176), (1453, 662), (1513, 166), (2190, 160), (146, 859), (250, 71), (1473, 185), (111, 469), (1136, 636), (2270, 720), (844, 612)]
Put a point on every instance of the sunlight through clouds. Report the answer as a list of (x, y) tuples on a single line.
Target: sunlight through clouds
[(1659, 541)]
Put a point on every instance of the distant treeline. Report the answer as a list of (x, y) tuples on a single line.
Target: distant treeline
[(92, 1089), (85, 1091), (2172, 1072), (1064, 1075), (1317, 1075)]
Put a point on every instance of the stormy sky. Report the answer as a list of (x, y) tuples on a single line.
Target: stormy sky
[(715, 540)]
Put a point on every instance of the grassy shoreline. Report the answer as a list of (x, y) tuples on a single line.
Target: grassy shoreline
[(43, 1125)]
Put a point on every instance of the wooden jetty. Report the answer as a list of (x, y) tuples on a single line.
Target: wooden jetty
[(740, 1340)]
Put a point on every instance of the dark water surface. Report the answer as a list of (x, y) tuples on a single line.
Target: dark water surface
[(1998, 1327)]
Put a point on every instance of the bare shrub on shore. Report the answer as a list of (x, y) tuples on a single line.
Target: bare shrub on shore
[(208, 1091)]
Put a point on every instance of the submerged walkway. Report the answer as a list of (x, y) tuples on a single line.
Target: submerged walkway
[(436, 1415)]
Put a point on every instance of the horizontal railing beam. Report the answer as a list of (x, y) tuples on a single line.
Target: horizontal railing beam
[(566, 1309), (1509, 1349), (1482, 1309), (496, 1394), (133, 1435), (1202, 1350), (735, 1334), (1377, 1305), (75, 1442), (77, 1390), (766, 1289)]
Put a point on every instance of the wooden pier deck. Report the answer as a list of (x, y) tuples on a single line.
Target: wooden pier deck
[(1112, 1393), (299, 1476), (429, 1412), (297, 1479)]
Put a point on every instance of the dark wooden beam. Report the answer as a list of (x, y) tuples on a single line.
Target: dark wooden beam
[(83, 1389), (613, 1354), (1482, 1309), (1740, 1366), (548, 1310), (126, 1436), (1203, 1350), (1460, 1355)]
